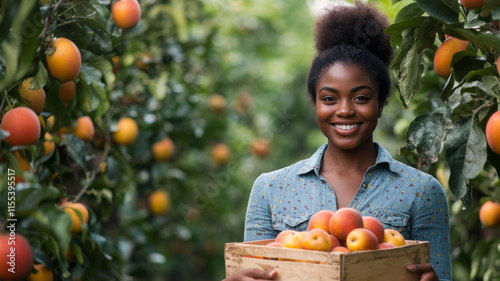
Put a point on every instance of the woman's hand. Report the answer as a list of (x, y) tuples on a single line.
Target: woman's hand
[(425, 270), (252, 274)]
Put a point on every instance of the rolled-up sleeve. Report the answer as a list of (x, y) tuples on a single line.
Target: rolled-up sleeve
[(258, 221), (430, 222)]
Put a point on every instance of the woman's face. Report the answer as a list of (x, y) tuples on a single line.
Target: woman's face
[(347, 106)]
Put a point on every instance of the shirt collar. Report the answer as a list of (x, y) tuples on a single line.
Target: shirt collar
[(314, 162)]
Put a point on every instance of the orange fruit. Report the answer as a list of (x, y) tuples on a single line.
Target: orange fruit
[(126, 13), (47, 126), (76, 221), (34, 98), (48, 145), (163, 150), (23, 125), (159, 202), (43, 274), (489, 214), (444, 55), (493, 132), (127, 131), (220, 154), (67, 92), (84, 128), (472, 4), (64, 60)]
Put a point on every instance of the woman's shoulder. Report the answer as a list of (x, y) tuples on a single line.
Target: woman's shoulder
[(287, 171)]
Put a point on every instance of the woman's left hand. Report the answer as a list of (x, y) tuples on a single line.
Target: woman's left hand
[(425, 270)]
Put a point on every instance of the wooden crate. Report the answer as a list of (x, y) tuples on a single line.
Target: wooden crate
[(298, 265)]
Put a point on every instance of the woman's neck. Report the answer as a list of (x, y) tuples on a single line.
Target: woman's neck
[(341, 160)]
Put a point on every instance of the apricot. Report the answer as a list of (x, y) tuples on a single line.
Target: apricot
[(344, 221), (127, 131), (47, 123), (294, 240), (34, 98), (48, 145), (261, 148), (493, 132), (64, 60), (67, 92), (163, 150), (489, 214), (23, 256), (281, 236), (217, 103), (444, 55), (361, 239), (317, 239), (394, 237), (84, 128), (159, 202), (76, 220), (220, 154), (23, 125), (472, 4), (43, 274), (320, 220), (375, 226), (126, 13)]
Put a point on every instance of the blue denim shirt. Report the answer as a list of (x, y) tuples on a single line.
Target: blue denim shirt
[(401, 197)]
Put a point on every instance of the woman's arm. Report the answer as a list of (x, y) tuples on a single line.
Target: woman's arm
[(430, 222), (258, 220)]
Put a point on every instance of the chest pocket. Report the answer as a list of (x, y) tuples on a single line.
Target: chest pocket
[(298, 223), (395, 220)]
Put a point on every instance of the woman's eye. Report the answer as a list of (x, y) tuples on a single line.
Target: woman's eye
[(328, 99), (362, 98)]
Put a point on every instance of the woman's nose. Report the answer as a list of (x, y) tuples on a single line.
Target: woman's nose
[(345, 108)]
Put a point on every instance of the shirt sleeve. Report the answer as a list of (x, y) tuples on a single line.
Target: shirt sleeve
[(258, 220), (430, 222)]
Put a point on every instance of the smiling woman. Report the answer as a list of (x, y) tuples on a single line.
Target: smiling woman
[(349, 84)]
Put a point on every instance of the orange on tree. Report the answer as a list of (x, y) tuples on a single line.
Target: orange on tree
[(21, 259), (489, 214), (472, 4), (217, 103), (220, 154), (444, 55), (34, 98), (23, 125), (47, 123), (493, 132), (48, 145), (159, 202), (64, 59), (43, 274), (76, 220), (261, 147), (84, 128), (67, 92), (127, 131), (126, 13), (163, 150)]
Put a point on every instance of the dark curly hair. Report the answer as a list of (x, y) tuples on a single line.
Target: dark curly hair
[(352, 35)]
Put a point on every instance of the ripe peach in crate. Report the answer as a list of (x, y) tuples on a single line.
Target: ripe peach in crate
[(321, 220), (294, 240), (281, 236), (394, 237), (361, 239), (317, 239), (344, 221), (375, 226)]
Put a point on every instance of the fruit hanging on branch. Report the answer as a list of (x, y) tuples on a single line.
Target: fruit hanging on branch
[(126, 13), (493, 132), (64, 59), (23, 125), (444, 55), (34, 98)]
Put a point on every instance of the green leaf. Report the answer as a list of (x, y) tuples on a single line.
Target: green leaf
[(396, 30), (488, 7), (408, 12), (76, 148), (409, 74), (425, 134), (30, 197), (465, 149), (483, 40), (445, 10)]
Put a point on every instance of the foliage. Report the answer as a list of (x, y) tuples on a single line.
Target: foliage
[(448, 132)]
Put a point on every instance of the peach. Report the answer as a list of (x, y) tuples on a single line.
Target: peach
[(320, 220), (375, 226), (489, 214), (220, 154), (344, 221), (275, 244), (126, 14), (335, 241), (385, 245), (281, 236), (77, 220), (261, 148), (444, 55), (341, 249), (361, 239), (394, 237), (84, 128), (23, 125), (34, 98), (294, 240), (472, 4), (163, 150), (493, 132), (317, 239)]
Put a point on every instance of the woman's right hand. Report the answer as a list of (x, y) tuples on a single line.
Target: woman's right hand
[(252, 274)]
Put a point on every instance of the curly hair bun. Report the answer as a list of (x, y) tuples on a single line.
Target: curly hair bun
[(361, 25)]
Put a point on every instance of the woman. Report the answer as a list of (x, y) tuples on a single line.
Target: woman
[(349, 84)]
